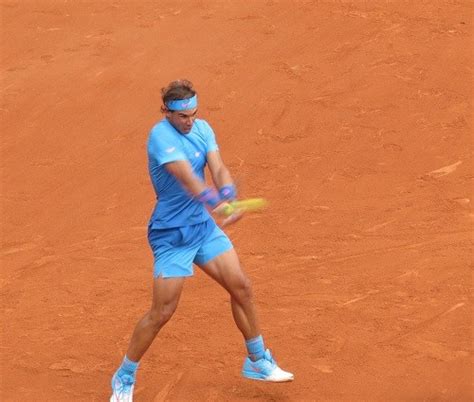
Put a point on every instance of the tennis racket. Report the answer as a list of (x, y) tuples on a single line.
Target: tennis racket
[(246, 205)]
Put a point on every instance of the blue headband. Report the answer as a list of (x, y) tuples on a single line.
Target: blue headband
[(182, 104)]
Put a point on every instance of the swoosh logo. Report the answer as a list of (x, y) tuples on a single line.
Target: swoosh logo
[(256, 369)]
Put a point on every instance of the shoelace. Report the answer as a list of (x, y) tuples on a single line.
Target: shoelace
[(270, 360), (126, 382), (267, 363)]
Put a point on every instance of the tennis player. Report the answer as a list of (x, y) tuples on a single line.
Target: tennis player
[(182, 231)]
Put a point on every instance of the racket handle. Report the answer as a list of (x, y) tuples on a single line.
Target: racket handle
[(228, 210)]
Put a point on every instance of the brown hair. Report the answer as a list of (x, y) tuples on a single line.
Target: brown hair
[(179, 89)]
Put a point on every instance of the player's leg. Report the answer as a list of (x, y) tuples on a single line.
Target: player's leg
[(225, 269), (218, 259), (166, 294), (173, 262)]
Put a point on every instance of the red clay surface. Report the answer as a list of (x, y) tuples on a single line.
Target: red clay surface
[(353, 118)]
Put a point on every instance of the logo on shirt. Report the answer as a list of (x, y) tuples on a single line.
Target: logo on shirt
[(197, 154), (170, 149)]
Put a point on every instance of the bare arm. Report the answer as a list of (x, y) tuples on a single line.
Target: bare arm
[(219, 172), (183, 172)]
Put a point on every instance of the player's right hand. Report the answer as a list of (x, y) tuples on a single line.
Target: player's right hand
[(225, 219)]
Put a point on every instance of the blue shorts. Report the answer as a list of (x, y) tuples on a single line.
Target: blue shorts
[(176, 249)]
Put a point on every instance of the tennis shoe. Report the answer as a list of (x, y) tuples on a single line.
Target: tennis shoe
[(122, 388), (265, 369)]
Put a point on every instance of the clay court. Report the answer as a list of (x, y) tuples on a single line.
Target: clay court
[(354, 120)]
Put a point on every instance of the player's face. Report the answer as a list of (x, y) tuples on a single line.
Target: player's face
[(182, 120)]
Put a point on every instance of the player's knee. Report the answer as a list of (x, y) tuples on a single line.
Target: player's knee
[(161, 315), (243, 292)]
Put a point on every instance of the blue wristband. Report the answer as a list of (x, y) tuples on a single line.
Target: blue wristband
[(210, 198), (228, 192)]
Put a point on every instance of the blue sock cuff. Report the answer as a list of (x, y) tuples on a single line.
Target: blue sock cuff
[(256, 347), (129, 365)]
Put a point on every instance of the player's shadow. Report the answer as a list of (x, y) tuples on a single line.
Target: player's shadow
[(267, 392)]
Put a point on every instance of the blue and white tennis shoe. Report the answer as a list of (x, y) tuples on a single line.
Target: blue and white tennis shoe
[(265, 369), (122, 388)]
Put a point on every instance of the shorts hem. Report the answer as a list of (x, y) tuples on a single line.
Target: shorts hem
[(164, 276), (208, 259)]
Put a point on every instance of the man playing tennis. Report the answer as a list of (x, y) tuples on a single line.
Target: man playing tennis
[(182, 232)]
